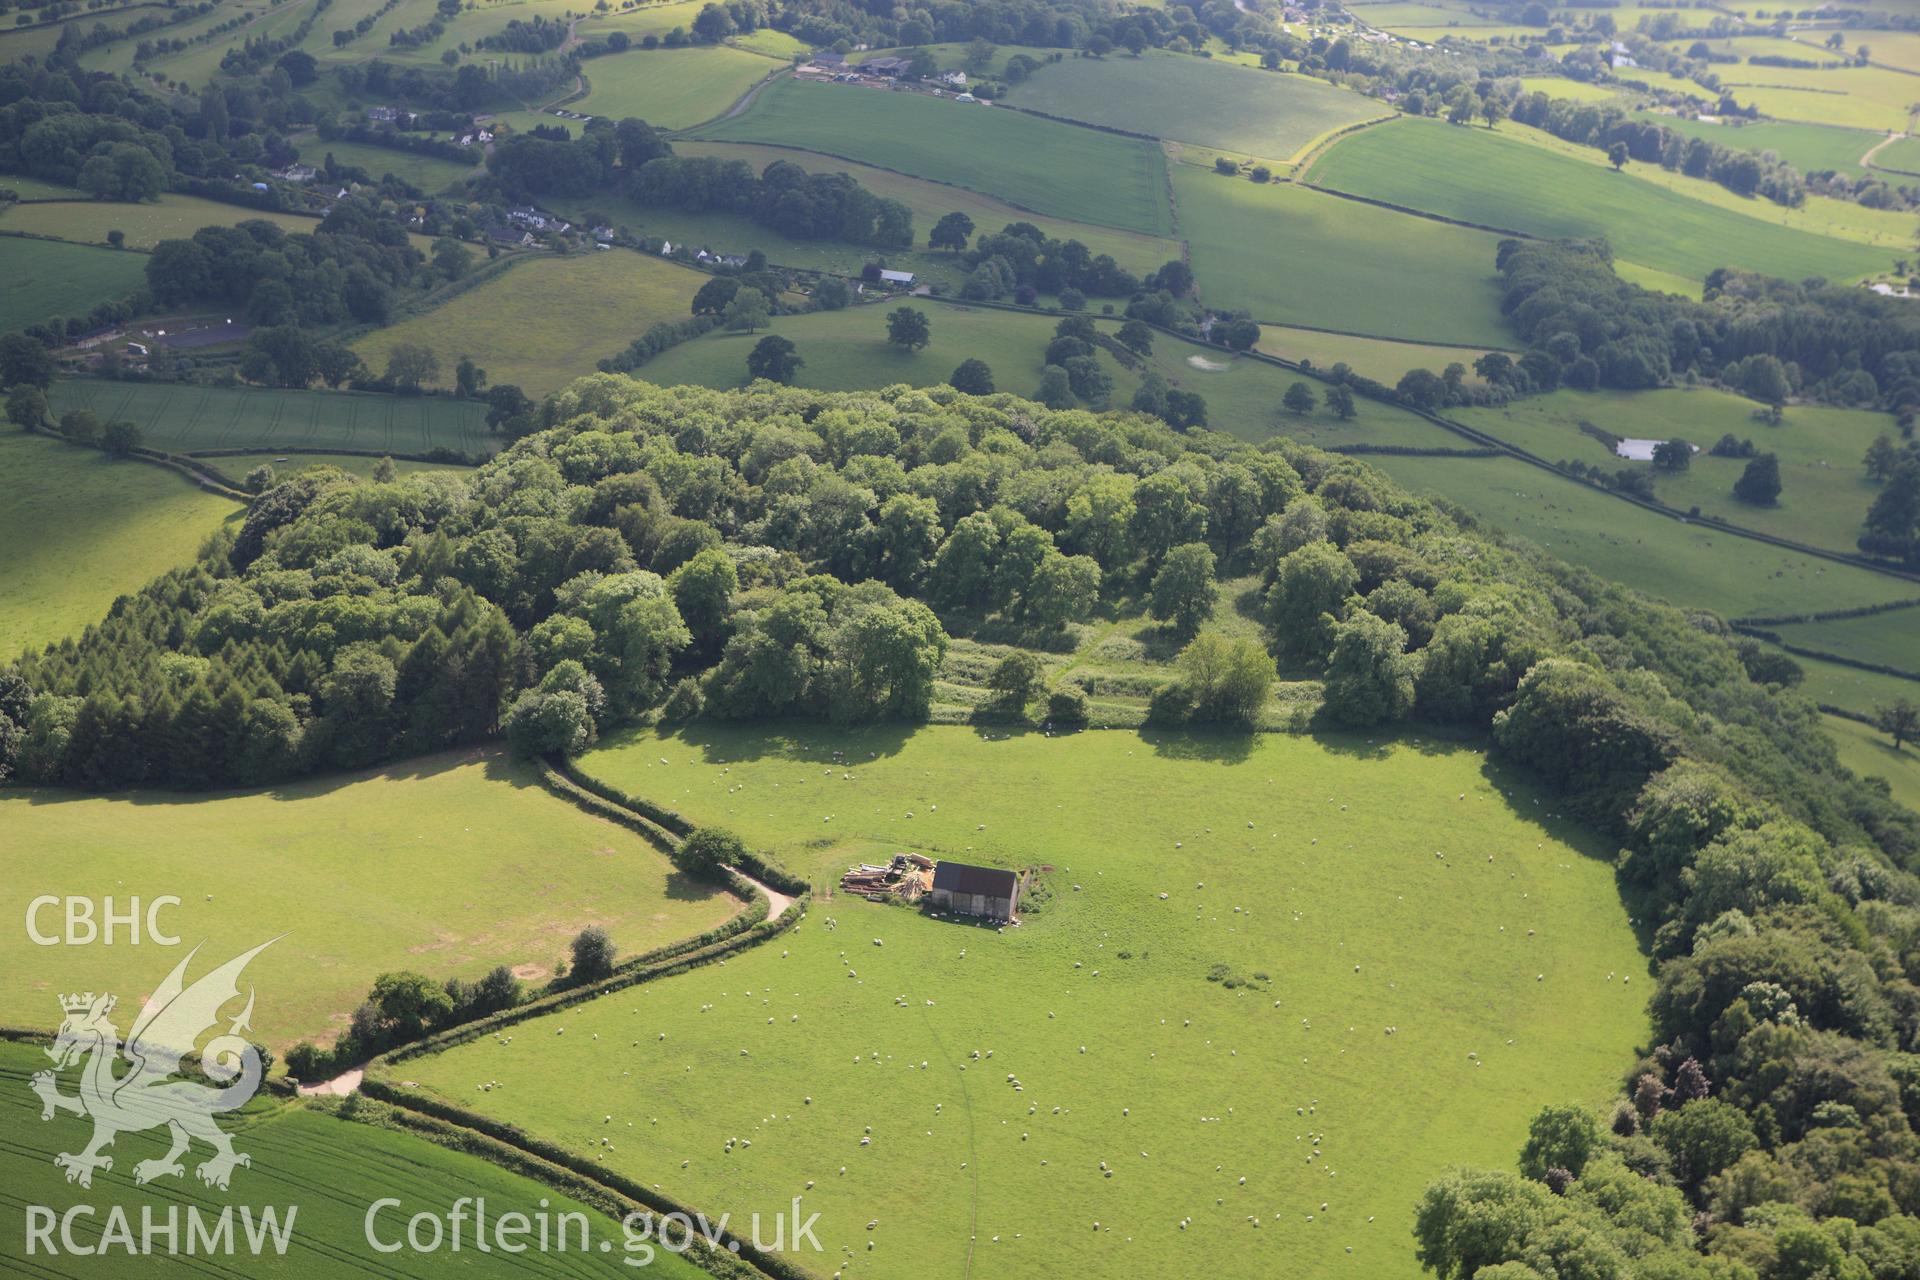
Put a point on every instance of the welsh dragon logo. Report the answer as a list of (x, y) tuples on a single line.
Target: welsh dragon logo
[(149, 1095)]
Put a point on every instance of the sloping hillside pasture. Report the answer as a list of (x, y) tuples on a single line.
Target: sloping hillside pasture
[(1391, 15), (1869, 753), (169, 217), (39, 188), (1825, 491), (429, 173), (1170, 95), (1377, 358), (448, 865), (1899, 49), (547, 320), (646, 20), (1291, 255), (930, 201), (1901, 155), (332, 1169), (471, 27), (671, 88), (181, 418), (1478, 176), (1834, 684), (80, 530), (1561, 87), (1042, 165), (848, 350), (1303, 870), (1853, 97), (236, 466), (1687, 565), (47, 279), (1883, 639), (1813, 148)]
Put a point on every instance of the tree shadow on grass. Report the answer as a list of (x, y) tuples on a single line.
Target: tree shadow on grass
[(809, 741), (1216, 745)]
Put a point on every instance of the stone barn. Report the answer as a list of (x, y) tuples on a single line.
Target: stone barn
[(975, 891)]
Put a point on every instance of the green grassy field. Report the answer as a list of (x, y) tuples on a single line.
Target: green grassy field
[(327, 1169), (429, 173), (1377, 358), (1825, 490), (1312, 861), (1870, 753), (671, 88), (38, 188), (1478, 176), (448, 865), (169, 217), (1809, 147), (51, 279), (1294, 256), (1191, 99), (236, 466), (1835, 684), (1577, 90), (1883, 639), (182, 417), (1687, 565), (1050, 168), (1901, 156), (546, 321), (1854, 98), (80, 530)]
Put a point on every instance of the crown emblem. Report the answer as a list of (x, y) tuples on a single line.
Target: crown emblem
[(78, 1003)]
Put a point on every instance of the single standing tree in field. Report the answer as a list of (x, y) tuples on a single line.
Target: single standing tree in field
[(469, 379), (1223, 165), (950, 232), (1015, 679), (1673, 455), (409, 365), (909, 328), (1617, 156), (1901, 722), (1299, 398), (1340, 401), (774, 359), (1184, 590), (746, 311), (592, 954), (972, 376), (1759, 484)]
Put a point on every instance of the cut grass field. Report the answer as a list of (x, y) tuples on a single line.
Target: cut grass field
[(47, 278), (1502, 967), (1812, 148), (1051, 168), (930, 201), (170, 217), (671, 88), (1189, 99), (429, 173), (1687, 565), (1476, 175), (448, 865), (1870, 753), (1855, 97), (548, 320), (183, 417), (1291, 255), (80, 530), (327, 1169), (1825, 491), (1884, 639)]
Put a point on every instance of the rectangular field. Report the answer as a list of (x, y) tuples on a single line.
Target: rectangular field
[(548, 319), (1478, 176), (1889, 639), (1050, 168), (171, 217), (1196, 100), (1291, 255), (46, 278), (1812, 148), (183, 417), (429, 173), (1871, 754), (448, 865), (671, 88), (81, 530)]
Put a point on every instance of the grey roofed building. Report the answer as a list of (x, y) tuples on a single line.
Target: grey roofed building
[(976, 891)]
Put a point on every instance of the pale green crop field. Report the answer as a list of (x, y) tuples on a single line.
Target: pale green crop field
[(954, 1096), (671, 88), (171, 217), (447, 865)]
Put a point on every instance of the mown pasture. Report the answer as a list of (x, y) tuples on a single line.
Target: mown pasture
[(80, 530), (146, 224), (429, 173), (327, 1169), (1291, 255), (447, 865), (1812, 148), (547, 320), (949, 1094), (183, 417), (671, 88), (1051, 168), (1476, 175), (1852, 97), (1377, 358), (47, 278), (1689, 565), (1189, 99), (236, 466)]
